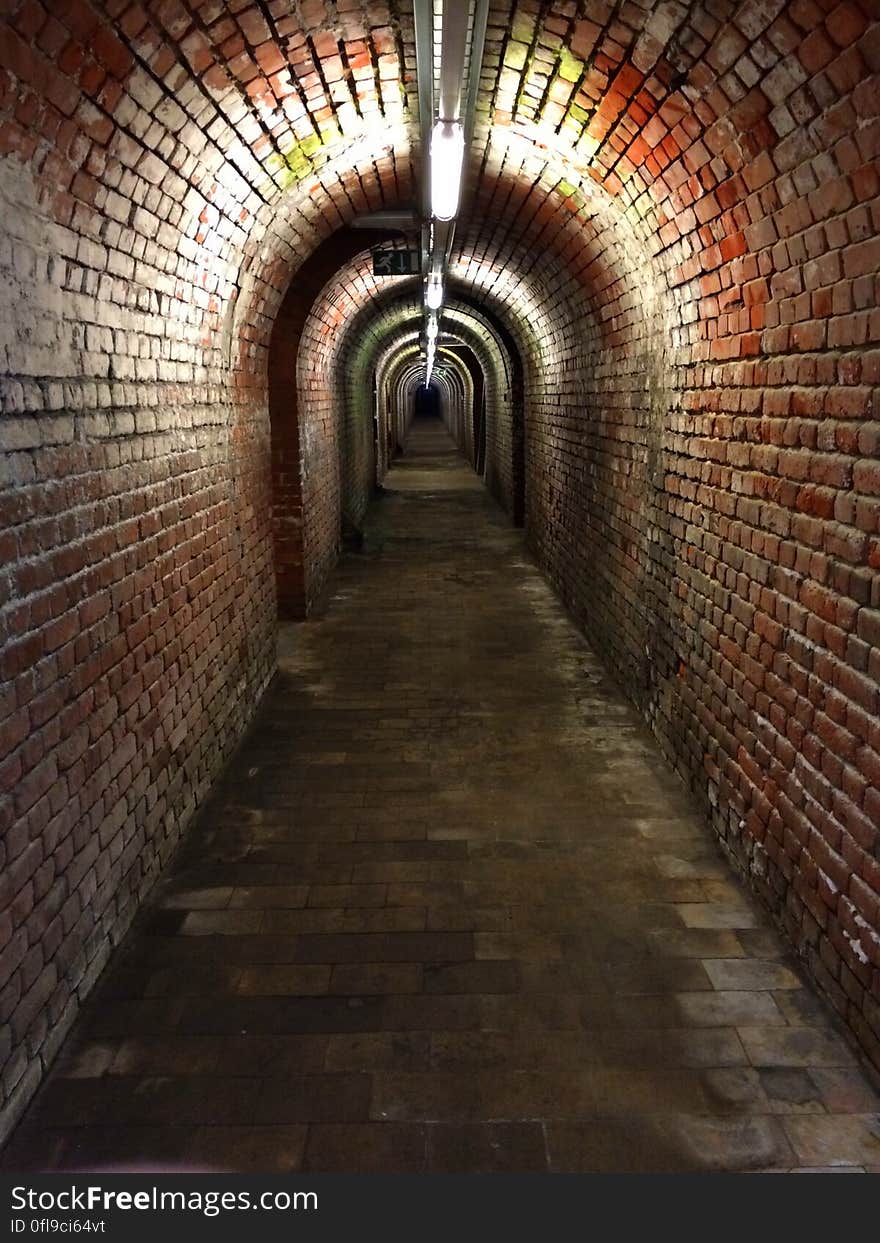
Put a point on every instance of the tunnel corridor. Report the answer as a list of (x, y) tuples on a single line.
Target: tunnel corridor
[(448, 910), (440, 584)]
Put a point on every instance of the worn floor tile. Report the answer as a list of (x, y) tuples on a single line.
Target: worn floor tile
[(352, 979), (494, 976), (845, 1091), (725, 1009), (851, 1139), (502, 1095), (792, 1090), (267, 897), (795, 1046), (369, 1051), (716, 915), (178, 1056), (313, 1098), (128, 1149), (749, 973), (260, 1056), (448, 910), (284, 980)]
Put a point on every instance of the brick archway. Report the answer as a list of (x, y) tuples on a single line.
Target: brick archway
[(298, 591)]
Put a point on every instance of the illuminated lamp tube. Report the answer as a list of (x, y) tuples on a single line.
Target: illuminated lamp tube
[(447, 160), (434, 292)]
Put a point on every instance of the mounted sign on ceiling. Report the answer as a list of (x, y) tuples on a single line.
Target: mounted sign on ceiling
[(393, 261)]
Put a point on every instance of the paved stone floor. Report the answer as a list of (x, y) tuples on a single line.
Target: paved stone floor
[(448, 911)]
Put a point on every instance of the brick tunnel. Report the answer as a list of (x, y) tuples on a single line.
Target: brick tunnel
[(464, 768)]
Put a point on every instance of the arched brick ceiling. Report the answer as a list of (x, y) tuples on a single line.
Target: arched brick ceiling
[(450, 378), (184, 159), (225, 141), (408, 373), (186, 132), (401, 364), (621, 155), (647, 131), (357, 311)]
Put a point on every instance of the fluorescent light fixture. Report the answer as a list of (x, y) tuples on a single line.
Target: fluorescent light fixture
[(434, 292), (431, 329), (447, 159)]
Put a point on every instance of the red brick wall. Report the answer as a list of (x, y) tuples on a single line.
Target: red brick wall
[(398, 382), (137, 619), (501, 367), (702, 387), (334, 383), (299, 586), (458, 391), (150, 229)]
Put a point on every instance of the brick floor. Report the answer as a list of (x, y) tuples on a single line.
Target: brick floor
[(448, 910)]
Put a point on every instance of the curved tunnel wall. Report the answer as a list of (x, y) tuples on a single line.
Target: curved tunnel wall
[(163, 173), (674, 213), (708, 507)]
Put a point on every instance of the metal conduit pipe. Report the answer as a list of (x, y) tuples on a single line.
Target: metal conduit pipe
[(454, 36), (453, 50), (423, 16)]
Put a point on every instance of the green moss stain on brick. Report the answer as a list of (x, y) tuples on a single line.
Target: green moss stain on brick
[(569, 67), (515, 55), (289, 168)]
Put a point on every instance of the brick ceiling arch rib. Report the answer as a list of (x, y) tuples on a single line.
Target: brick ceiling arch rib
[(404, 372), (460, 321), (411, 377), (358, 325), (354, 305), (356, 311)]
